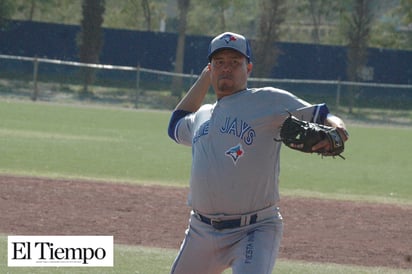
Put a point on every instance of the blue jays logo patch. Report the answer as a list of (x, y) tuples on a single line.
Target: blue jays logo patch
[(228, 38), (235, 153)]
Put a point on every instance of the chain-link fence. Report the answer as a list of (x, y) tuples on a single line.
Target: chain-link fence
[(61, 81)]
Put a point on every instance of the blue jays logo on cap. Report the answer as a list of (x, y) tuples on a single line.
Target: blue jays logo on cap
[(230, 40), (228, 37)]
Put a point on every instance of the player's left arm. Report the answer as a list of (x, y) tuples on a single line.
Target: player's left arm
[(336, 122)]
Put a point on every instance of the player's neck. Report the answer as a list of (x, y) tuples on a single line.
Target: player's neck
[(223, 94)]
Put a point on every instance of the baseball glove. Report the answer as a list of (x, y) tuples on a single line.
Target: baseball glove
[(302, 136)]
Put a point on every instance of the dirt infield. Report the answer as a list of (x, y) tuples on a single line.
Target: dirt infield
[(317, 230)]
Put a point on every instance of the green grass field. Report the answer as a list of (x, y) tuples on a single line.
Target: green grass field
[(121, 145), (133, 146)]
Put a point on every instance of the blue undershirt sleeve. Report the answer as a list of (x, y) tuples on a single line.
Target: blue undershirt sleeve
[(320, 113), (176, 116)]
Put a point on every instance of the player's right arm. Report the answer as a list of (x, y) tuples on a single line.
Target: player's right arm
[(190, 103), (194, 97)]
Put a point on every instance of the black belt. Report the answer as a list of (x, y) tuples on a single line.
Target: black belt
[(226, 224)]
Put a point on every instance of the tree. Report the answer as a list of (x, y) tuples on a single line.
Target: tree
[(6, 10), (32, 8), (357, 27), (320, 11), (216, 16), (90, 39), (35, 9), (133, 9), (221, 6), (183, 6), (271, 17), (147, 14), (406, 9)]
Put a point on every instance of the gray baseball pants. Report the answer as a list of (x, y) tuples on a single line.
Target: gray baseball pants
[(248, 249)]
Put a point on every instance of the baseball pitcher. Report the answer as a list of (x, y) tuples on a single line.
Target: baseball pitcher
[(235, 220)]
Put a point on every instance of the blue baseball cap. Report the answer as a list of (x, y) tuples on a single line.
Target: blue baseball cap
[(230, 40)]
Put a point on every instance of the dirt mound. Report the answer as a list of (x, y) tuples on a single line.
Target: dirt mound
[(342, 232)]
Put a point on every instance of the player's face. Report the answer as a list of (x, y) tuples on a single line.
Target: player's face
[(229, 72)]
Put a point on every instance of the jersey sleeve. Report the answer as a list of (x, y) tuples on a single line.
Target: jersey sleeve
[(179, 127), (314, 113)]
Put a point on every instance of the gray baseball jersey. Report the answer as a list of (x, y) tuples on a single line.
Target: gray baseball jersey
[(235, 161)]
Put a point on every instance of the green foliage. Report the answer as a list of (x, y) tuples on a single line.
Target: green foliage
[(406, 17), (406, 11), (272, 15), (357, 28), (321, 12), (216, 16), (212, 17), (7, 8)]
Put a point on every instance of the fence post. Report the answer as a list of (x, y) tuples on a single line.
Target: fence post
[(35, 74), (338, 94), (137, 91), (192, 78)]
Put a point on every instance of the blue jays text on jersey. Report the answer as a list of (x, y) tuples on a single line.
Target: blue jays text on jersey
[(203, 130), (238, 128)]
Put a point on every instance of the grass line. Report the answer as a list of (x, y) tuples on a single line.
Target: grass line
[(30, 134)]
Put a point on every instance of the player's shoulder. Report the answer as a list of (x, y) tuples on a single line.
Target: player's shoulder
[(204, 112), (271, 91), (206, 108)]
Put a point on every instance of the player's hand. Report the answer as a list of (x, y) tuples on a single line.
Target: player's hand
[(323, 145), (206, 71), (344, 134)]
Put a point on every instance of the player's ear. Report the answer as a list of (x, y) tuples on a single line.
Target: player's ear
[(208, 66), (249, 67)]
